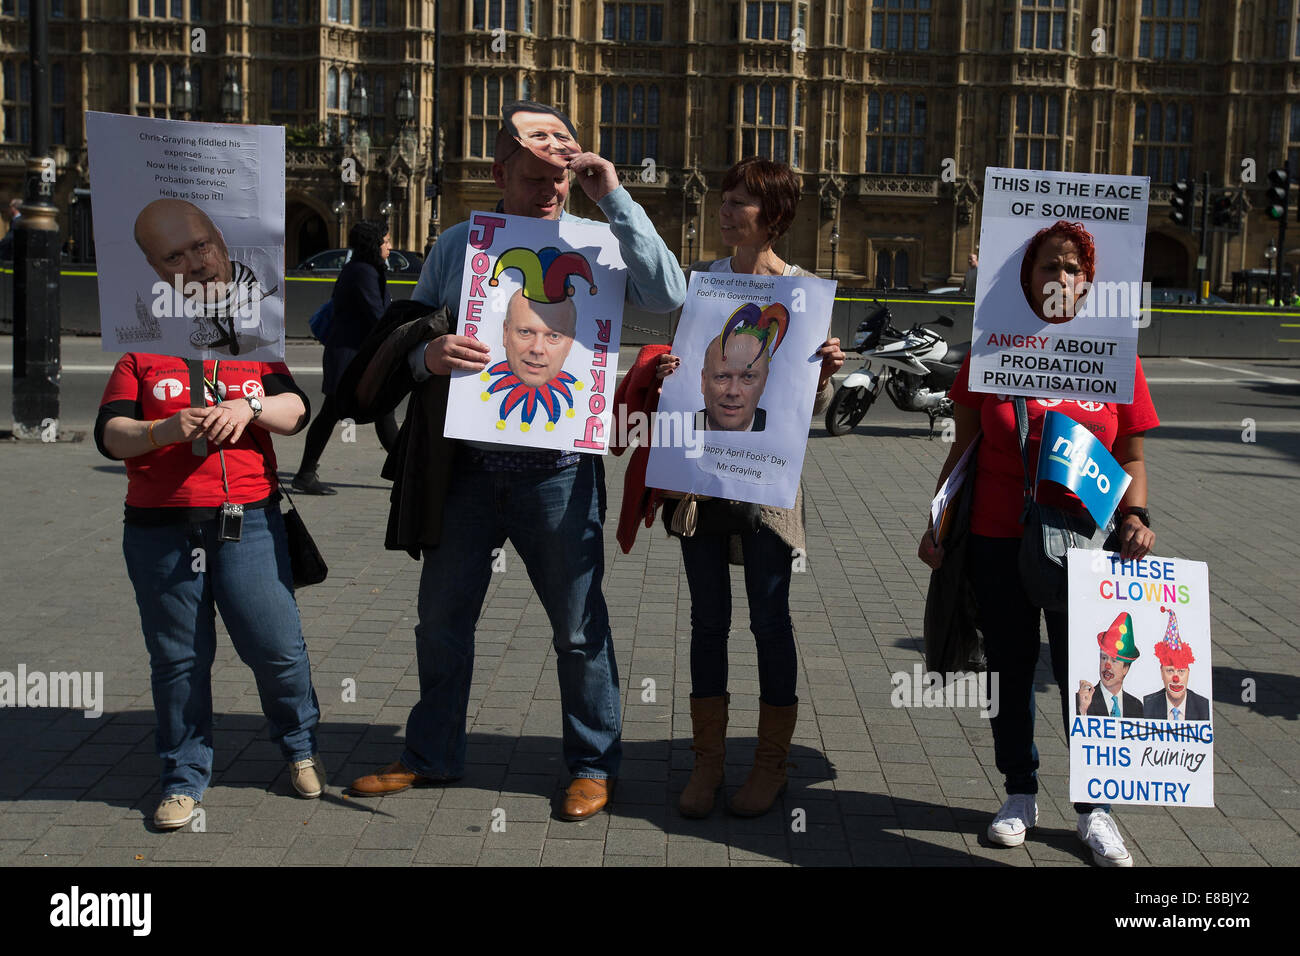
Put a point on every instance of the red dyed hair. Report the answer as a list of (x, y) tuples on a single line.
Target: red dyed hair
[(1072, 231), (774, 185)]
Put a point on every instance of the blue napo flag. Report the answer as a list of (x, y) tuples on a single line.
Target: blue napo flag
[(1071, 456)]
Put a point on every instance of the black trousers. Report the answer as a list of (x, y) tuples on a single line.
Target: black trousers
[(322, 426)]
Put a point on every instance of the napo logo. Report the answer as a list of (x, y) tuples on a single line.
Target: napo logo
[(167, 388), (253, 389)]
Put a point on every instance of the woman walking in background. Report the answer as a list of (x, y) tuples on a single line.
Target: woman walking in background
[(360, 299)]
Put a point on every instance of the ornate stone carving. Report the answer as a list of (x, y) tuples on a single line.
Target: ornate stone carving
[(906, 187)]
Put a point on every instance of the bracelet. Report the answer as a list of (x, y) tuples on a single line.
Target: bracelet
[(153, 441)]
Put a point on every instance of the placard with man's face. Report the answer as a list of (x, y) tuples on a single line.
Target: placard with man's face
[(733, 418), (189, 236), (547, 297)]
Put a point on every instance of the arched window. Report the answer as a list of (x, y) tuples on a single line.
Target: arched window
[(291, 89), (332, 89), (277, 89), (895, 133), (768, 127)]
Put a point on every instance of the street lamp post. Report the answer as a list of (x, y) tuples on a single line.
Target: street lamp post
[(183, 95), (339, 207), (232, 98), (37, 361), (835, 244), (404, 109), (690, 242)]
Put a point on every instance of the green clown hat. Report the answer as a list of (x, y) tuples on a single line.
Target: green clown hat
[(1117, 641)]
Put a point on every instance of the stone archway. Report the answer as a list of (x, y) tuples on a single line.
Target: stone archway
[(1167, 262), (306, 233)]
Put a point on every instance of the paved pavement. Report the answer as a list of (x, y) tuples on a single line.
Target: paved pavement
[(874, 785)]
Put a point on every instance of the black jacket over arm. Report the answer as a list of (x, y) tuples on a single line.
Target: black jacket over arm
[(419, 466)]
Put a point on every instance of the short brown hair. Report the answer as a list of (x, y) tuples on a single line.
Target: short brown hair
[(774, 185)]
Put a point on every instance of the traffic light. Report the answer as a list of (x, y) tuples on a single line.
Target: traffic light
[(1279, 182), (1223, 213), (1180, 203)]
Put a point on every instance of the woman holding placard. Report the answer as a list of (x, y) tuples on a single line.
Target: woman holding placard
[(1058, 257), (758, 205)]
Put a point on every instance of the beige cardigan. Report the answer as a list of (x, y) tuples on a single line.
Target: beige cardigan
[(788, 523)]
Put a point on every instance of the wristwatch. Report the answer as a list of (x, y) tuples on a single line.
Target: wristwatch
[(1142, 514), (256, 406)]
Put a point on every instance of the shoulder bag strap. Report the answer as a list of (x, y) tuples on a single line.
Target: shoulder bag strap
[(1022, 433)]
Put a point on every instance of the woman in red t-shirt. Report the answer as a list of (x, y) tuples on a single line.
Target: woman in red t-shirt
[(184, 558), (1008, 620)]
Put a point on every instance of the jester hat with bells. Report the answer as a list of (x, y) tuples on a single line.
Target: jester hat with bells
[(545, 276), (768, 325)]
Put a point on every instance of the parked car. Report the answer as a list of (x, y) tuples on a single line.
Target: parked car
[(401, 262)]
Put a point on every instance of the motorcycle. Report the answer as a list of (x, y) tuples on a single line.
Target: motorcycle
[(915, 368)]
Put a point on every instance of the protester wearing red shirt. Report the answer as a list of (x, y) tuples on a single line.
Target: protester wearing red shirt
[(1008, 620), (181, 567)]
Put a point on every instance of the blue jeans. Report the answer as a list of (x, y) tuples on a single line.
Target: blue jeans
[(767, 584), (554, 519), (1011, 644), (251, 584)]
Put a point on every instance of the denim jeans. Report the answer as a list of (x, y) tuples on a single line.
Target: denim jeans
[(250, 582), (1011, 644), (767, 584), (554, 519)]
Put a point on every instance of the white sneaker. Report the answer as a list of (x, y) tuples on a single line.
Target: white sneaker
[(308, 777), (1099, 832), (1019, 813)]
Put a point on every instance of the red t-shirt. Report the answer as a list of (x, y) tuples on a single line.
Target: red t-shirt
[(999, 472), (173, 476)]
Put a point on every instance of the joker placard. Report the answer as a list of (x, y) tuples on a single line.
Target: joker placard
[(1059, 296), (743, 394), (547, 297), (1141, 724), (189, 236)]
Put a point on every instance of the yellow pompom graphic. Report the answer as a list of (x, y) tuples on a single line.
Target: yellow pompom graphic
[(483, 376), (524, 426), (501, 426), (578, 385), (550, 426), (569, 412), (485, 396)]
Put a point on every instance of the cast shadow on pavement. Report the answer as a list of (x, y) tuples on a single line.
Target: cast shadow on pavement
[(68, 762)]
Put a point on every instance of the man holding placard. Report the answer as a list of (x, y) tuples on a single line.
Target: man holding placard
[(549, 503)]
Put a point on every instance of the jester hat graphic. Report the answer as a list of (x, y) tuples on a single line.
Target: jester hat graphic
[(545, 273), (768, 325), (1172, 651), (1117, 641)]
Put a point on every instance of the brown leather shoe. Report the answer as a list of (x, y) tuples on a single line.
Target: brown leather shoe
[(391, 779), (585, 797)]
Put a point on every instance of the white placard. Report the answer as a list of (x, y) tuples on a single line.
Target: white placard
[(1162, 607), (743, 394), (1031, 336), (189, 236), (547, 297)]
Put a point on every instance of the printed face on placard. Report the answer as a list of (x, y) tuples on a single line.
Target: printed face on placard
[(732, 383), (1112, 673), (1057, 280), (180, 241), (537, 337), (1175, 680)]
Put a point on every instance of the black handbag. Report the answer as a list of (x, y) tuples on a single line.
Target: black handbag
[(692, 515), (1049, 533), (305, 559)]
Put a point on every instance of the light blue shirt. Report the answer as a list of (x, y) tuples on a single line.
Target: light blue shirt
[(654, 278)]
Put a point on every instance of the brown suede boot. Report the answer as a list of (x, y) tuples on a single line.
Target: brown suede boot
[(709, 727), (767, 780)]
